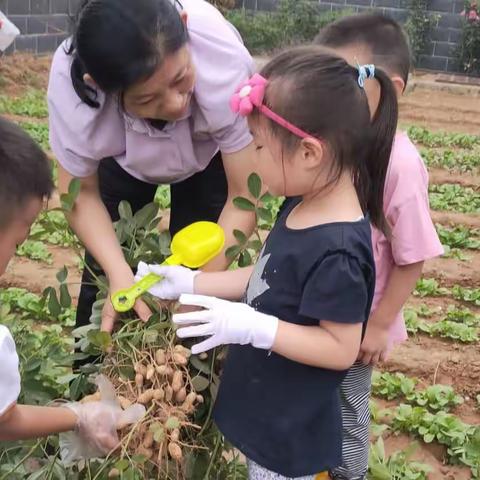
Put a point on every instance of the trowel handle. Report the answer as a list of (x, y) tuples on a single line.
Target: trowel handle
[(125, 299), (144, 285)]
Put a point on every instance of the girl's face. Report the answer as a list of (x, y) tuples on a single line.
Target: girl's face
[(167, 93), (285, 173)]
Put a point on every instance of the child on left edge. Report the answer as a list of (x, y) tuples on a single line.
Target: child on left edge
[(91, 429)]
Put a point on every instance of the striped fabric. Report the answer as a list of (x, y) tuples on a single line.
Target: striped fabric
[(355, 395), (256, 472)]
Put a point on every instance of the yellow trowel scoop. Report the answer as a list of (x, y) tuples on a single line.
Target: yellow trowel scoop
[(193, 246)]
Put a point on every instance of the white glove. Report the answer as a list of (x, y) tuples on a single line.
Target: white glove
[(97, 424), (176, 280), (226, 323), (8, 32)]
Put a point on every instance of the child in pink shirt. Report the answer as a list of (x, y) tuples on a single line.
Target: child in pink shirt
[(374, 38)]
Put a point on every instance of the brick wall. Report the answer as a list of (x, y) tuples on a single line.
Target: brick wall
[(43, 23), (444, 36)]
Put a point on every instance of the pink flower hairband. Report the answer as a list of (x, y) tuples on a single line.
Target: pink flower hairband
[(250, 94)]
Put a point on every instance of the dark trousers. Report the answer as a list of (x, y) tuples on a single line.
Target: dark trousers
[(200, 197)]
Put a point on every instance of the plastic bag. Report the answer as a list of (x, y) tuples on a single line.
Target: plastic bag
[(8, 32)]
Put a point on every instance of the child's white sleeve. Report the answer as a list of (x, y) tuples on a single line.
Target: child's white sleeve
[(9, 373), (8, 32)]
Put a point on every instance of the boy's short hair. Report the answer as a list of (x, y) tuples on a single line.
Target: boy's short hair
[(383, 36), (25, 171)]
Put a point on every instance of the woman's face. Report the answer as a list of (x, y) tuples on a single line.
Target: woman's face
[(167, 93)]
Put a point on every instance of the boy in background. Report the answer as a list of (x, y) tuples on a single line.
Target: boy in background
[(375, 39)]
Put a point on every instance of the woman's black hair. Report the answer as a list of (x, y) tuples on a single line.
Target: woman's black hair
[(319, 93), (120, 42)]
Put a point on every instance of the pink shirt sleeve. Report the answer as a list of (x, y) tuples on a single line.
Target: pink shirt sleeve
[(222, 63), (414, 238), (80, 136)]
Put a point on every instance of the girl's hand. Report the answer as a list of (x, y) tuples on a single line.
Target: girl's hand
[(175, 280), (225, 323), (375, 345), (97, 423)]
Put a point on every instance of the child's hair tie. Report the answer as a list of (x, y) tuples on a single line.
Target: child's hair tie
[(364, 72), (250, 95)]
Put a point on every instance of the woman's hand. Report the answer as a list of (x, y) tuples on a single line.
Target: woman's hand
[(118, 281)]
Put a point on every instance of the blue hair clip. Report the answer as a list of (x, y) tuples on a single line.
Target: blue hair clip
[(364, 72)]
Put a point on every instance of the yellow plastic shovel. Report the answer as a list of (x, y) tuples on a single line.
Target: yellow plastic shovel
[(193, 246)]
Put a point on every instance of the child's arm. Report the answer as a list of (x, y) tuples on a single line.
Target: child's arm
[(230, 285), (333, 346), (22, 422), (402, 281), (337, 287)]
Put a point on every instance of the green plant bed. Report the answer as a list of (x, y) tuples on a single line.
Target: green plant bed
[(294, 22)]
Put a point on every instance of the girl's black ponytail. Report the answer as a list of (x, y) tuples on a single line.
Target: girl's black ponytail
[(382, 135)]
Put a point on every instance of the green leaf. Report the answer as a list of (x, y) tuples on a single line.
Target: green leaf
[(255, 185), (62, 275), (65, 298), (232, 252), (78, 387), (172, 423), (74, 188), (155, 426), (213, 391), (200, 383), (428, 438), (159, 435), (244, 204), (196, 465), (240, 237), (245, 259), (265, 215), (140, 459), (32, 364), (200, 365), (126, 372), (379, 472), (125, 210), (53, 304), (255, 245), (151, 335), (66, 202), (122, 464), (102, 340), (144, 216)]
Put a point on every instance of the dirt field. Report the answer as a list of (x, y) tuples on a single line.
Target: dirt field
[(433, 360)]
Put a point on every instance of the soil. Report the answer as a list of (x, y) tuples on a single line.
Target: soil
[(441, 111), (21, 72), (450, 271), (438, 361), (466, 179), (426, 454), (36, 276), (470, 220)]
